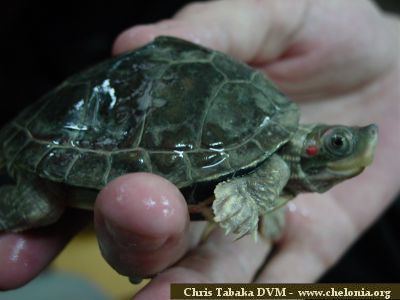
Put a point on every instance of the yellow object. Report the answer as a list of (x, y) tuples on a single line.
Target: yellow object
[(82, 256)]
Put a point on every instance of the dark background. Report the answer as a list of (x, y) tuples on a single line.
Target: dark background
[(43, 44)]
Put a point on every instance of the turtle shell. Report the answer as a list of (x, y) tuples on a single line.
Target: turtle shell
[(187, 113)]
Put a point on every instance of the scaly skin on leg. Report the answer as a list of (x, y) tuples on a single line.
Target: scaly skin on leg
[(239, 202), (27, 205)]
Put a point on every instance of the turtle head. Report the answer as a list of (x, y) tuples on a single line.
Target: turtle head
[(332, 154)]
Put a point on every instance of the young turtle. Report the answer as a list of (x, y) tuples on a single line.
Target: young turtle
[(192, 115)]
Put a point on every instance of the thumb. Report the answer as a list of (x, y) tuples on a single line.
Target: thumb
[(142, 224)]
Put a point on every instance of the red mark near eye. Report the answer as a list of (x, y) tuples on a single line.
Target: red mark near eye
[(312, 150)]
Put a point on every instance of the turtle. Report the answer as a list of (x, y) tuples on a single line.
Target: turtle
[(218, 129)]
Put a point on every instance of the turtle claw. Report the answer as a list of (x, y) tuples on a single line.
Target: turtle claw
[(249, 226), (235, 211), (255, 235), (228, 231)]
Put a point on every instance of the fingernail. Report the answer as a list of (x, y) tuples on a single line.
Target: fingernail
[(132, 241)]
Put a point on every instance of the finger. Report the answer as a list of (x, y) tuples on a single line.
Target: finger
[(215, 24), (317, 233), (219, 259), (142, 222), (322, 62), (24, 255)]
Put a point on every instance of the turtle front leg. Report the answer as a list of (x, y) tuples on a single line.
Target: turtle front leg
[(27, 205), (240, 201)]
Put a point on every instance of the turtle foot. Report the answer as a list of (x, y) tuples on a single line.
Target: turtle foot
[(26, 205), (234, 209)]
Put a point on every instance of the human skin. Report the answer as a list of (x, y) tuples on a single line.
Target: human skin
[(340, 61)]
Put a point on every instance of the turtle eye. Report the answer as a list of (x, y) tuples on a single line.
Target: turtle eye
[(339, 142)]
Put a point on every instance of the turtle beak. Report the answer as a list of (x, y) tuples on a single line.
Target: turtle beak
[(370, 134)]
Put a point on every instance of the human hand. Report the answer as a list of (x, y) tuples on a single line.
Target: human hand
[(340, 60), (351, 66)]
